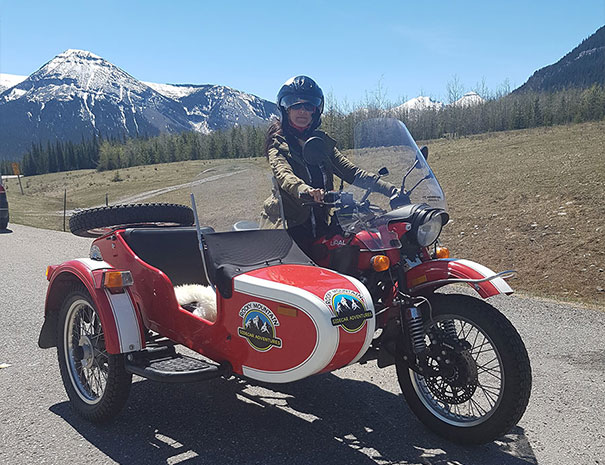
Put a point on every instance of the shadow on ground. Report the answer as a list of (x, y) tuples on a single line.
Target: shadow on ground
[(323, 419), (6, 231)]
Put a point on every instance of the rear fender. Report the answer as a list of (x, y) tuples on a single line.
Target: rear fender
[(121, 323), (437, 271)]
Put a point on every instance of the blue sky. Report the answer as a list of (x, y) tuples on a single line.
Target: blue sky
[(351, 48)]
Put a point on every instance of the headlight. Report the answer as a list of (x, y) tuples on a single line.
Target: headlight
[(429, 232)]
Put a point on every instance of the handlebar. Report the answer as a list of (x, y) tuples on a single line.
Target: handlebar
[(330, 198)]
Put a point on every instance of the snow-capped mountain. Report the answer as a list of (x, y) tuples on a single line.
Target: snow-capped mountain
[(468, 100), (78, 94), (422, 103), (419, 104), (212, 107)]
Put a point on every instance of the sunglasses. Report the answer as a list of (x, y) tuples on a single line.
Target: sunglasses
[(303, 106)]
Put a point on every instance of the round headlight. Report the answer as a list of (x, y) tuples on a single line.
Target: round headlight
[(429, 232)]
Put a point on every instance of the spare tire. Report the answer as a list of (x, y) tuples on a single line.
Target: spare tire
[(95, 222)]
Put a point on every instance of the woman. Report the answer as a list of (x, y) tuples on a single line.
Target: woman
[(301, 104)]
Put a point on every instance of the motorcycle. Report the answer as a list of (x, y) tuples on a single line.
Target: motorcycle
[(271, 313)]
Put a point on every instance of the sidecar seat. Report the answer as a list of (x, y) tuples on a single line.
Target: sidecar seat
[(228, 254), (175, 251)]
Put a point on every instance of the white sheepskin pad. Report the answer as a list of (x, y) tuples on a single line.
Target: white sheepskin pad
[(198, 299)]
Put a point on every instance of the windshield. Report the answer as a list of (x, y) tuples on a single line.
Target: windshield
[(230, 193), (386, 143)]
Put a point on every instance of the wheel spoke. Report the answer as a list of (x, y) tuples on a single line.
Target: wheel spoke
[(480, 409)]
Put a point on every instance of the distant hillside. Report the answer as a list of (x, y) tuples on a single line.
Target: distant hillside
[(581, 68)]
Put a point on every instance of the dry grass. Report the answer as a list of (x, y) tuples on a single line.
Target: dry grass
[(530, 200)]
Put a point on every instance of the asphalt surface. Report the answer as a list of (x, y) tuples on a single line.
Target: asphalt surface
[(355, 415)]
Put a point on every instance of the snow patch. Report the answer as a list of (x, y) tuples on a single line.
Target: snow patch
[(10, 80), (172, 91), (14, 95)]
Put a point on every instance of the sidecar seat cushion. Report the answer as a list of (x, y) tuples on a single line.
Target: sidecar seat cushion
[(175, 251), (229, 254)]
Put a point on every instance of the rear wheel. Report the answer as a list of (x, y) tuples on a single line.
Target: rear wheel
[(96, 382), (480, 379)]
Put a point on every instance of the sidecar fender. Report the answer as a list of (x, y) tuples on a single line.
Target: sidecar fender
[(121, 323), (440, 271)]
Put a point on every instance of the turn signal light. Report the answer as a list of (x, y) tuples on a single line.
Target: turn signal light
[(380, 262), (442, 252), (117, 279)]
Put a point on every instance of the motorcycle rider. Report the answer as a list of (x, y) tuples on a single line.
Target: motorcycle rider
[(301, 103)]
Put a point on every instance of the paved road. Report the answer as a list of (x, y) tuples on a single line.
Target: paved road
[(355, 415)]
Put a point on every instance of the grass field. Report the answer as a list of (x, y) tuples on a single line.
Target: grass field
[(530, 200)]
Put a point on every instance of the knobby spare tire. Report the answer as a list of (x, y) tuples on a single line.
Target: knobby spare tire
[(95, 222)]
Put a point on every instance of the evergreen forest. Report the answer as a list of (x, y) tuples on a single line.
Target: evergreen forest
[(499, 113)]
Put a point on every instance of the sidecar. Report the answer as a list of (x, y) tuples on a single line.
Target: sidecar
[(278, 317)]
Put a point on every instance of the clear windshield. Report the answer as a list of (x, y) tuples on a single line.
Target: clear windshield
[(230, 193), (386, 143)]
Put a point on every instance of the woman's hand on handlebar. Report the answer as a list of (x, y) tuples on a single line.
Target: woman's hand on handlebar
[(320, 196), (316, 194)]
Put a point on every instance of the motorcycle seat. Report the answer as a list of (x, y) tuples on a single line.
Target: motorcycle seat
[(228, 254)]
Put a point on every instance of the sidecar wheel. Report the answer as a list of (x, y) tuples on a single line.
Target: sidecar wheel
[(483, 386), (96, 382), (95, 222)]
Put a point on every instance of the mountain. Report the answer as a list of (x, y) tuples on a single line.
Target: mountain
[(468, 100), (581, 68), (78, 94), (212, 107), (420, 103)]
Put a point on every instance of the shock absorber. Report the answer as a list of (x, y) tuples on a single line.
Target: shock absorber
[(415, 325)]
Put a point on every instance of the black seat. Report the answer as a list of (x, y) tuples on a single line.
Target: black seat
[(175, 251), (231, 253)]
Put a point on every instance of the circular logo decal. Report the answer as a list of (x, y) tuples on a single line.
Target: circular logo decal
[(258, 327), (349, 310)]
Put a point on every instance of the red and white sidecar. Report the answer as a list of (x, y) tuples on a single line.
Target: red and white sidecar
[(279, 318)]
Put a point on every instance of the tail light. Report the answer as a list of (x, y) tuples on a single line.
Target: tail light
[(116, 281)]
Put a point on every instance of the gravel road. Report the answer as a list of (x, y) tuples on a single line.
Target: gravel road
[(355, 415)]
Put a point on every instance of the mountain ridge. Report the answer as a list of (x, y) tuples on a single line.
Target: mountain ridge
[(583, 67), (78, 94)]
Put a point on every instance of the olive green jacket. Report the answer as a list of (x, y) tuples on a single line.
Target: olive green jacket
[(293, 178)]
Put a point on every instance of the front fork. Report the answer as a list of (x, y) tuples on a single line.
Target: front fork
[(404, 334)]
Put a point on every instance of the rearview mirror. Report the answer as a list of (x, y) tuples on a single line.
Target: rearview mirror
[(314, 151), (383, 171), (425, 152)]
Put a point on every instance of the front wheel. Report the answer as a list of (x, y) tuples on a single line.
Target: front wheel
[(96, 382), (480, 376)]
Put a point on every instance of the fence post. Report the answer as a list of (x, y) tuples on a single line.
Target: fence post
[(64, 207)]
